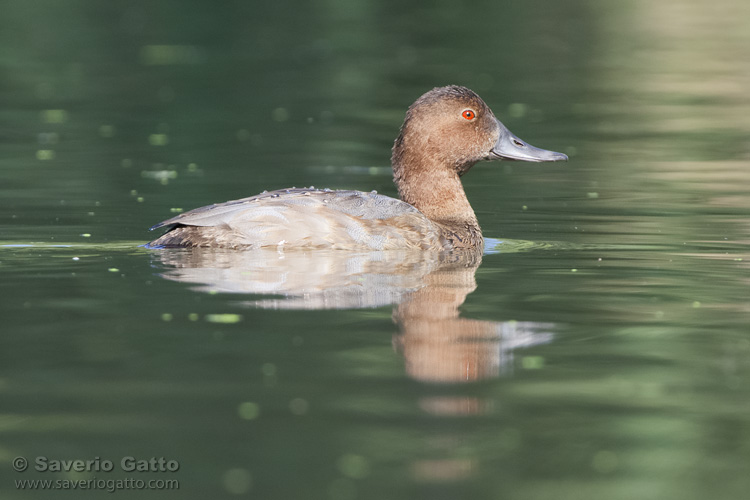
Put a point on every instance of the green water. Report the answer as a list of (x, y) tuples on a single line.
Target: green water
[(600, 350)]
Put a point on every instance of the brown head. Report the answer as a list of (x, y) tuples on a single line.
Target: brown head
[(445, 132)]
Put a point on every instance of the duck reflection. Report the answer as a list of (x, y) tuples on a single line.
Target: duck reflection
[(425, 288)]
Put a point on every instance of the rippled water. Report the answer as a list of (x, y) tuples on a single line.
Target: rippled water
[(598, 349)]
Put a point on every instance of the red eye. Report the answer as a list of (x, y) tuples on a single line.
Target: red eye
[(468, 114)]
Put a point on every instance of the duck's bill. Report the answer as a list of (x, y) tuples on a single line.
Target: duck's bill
[(510, 147)]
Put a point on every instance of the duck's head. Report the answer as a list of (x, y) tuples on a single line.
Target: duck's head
[(452, 127)]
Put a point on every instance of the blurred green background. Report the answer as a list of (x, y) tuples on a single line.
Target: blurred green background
[(114, 115)]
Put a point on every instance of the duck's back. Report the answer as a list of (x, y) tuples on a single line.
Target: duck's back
[(304, 218)]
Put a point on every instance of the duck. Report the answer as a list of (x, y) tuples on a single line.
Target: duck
[(445, 132)]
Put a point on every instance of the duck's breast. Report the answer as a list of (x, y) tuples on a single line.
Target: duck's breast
[(312, 218)]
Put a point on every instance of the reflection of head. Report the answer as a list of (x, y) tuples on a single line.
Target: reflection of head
[(441, 357), (464, 350), (440, 346)]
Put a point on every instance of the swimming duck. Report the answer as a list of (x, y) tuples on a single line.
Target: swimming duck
[(446, 131)]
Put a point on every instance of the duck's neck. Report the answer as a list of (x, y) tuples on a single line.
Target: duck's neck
[(435, 190)]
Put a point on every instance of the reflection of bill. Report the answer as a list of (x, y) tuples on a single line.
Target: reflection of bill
[(426, 289)]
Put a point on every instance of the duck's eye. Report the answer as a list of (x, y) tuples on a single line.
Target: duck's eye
[(468, 114)]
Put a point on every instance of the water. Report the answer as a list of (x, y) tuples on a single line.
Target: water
[(599, 350)]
